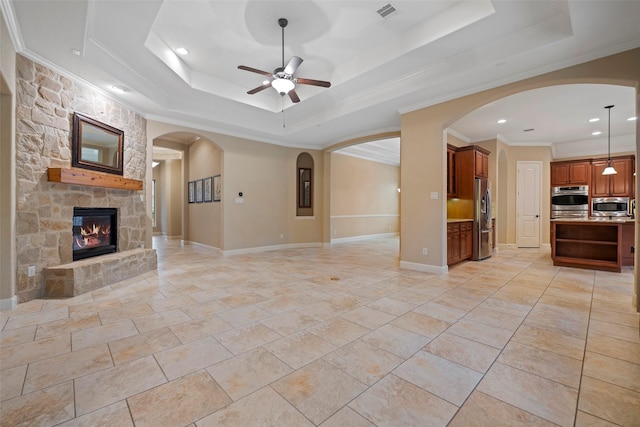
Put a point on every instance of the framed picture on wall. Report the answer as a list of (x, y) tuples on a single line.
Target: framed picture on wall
[(199, 184), (208, 189), (217, 188), (192, 192)]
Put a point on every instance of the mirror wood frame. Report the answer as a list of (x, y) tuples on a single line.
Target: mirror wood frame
[(113, 138)]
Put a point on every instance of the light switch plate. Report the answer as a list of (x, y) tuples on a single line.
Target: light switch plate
[(434, 195)]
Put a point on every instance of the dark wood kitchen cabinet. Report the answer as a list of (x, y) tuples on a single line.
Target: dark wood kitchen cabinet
[(618, 185), (459, 241), (587, 244), (466, 240), (570, 173), (627, 247), (451, 171), (471, 162), (481, 163)]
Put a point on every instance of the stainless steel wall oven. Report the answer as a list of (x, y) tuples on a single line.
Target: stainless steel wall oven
[(570, 202)]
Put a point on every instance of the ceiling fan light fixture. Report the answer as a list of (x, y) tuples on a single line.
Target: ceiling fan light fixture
[(282, 86), (609, 170)]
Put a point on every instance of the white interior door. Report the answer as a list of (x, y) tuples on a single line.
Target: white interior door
[(528, 205)]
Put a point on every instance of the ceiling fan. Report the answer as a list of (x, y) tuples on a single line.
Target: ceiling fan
[(282, 79)]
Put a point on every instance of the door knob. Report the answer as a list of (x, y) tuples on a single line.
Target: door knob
[(537, 216)]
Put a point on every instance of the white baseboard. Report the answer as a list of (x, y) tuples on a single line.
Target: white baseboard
[(271, 248), (201, 245), (426, 268), (543, 246), (359, 238), (7, 304)]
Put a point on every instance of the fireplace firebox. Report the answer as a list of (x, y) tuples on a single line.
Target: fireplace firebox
[(95, 232)]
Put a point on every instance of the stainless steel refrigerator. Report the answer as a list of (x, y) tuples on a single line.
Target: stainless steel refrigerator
[(482, 229)]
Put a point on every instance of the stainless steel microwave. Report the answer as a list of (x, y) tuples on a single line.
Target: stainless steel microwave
[(610, 206)]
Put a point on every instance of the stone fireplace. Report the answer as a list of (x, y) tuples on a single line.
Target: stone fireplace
[(45, 104), (95, 232)]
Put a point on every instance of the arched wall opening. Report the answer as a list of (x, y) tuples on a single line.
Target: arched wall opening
[(187, 206), (424, 152), (364, 188), (502, 171)]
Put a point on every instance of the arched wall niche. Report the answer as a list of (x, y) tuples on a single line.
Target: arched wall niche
[(305, 179)]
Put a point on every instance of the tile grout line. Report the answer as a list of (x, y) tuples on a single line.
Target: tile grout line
[(584, 352), (507, 343)]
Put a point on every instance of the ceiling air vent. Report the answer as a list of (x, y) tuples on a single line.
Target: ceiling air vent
[(386, 10)]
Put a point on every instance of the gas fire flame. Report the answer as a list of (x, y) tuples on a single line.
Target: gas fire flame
[(92, 235)]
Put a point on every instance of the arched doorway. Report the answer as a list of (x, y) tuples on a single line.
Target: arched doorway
[(187, 164), (365, 189), (546, 124)]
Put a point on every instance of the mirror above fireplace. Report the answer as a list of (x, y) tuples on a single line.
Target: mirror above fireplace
[(96, 146)]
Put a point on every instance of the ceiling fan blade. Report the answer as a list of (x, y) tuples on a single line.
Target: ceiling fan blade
[(312, 82), (293, 65), (259, 88), (254, 70), (294, 96)]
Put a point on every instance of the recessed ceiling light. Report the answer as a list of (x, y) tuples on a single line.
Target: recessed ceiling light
[(118, 89), (595, 119), (596, 133), (502, 121), (76, 52), (632, 119), (182, 51)]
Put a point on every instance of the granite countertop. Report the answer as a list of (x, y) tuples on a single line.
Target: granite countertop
[(450, 220), (623, 220)]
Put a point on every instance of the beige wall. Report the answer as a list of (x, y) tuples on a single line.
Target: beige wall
[(156, 175), (423, 153), (364, 197), (265, 215), (204, 219), (7, 171), (505, 193), (169, 197)]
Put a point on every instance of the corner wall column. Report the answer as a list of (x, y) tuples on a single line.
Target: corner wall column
[(8, 298)]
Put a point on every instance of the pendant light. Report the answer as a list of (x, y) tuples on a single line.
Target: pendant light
[(609, 170)]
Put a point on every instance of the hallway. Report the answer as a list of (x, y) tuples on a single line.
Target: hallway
[(332, 337)]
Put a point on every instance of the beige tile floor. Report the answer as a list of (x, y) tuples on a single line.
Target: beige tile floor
[(331, 337)]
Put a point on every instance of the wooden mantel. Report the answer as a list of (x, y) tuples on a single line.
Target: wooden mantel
[(92, 179)]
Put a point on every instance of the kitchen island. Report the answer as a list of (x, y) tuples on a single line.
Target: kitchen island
[(595, 243)]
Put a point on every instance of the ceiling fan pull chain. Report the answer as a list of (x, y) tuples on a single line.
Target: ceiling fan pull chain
[(284, 125)]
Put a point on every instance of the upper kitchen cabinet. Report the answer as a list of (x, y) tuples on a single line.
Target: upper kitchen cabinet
[(618, 185), (451, 171), (482, 163), (570, 173), (475, 158)]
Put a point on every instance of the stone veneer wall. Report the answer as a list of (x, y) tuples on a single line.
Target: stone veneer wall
[(45, 103)]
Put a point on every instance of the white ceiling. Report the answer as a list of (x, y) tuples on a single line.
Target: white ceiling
[(425, 53)]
